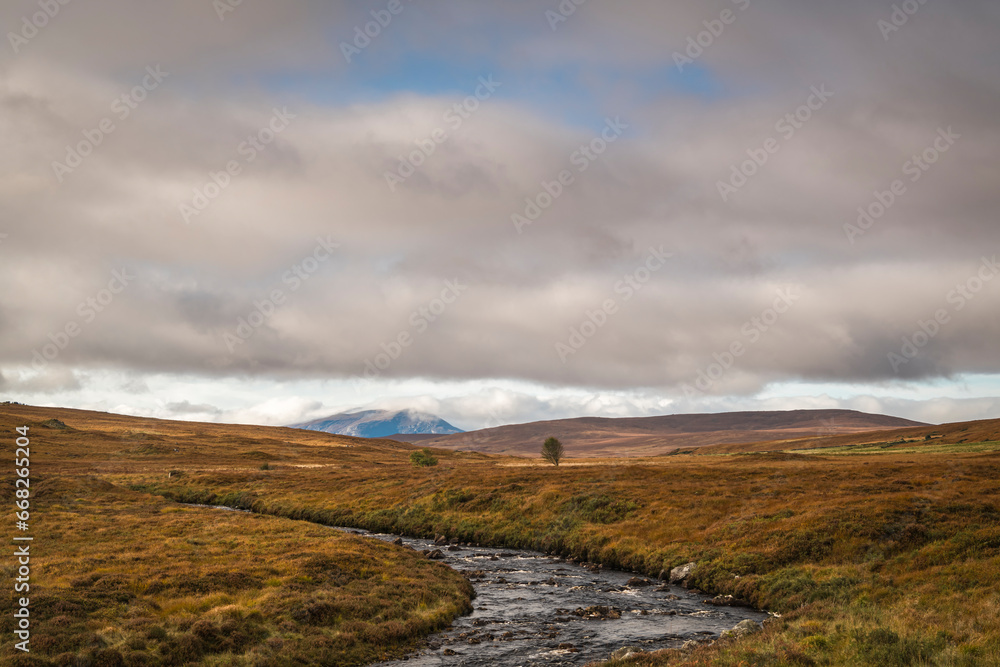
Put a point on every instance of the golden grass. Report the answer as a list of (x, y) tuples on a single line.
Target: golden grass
[(874, 558), (121, 577)]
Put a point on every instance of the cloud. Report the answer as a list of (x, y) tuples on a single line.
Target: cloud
[(324, 177), (481, 404), (52, 381), (188, 410)]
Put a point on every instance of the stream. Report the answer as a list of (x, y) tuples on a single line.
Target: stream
[(533, 609)]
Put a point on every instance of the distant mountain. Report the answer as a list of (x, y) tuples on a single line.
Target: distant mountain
[(380, 424), (650, 436)]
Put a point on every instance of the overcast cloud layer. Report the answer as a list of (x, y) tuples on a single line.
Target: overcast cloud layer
[(641, 277)]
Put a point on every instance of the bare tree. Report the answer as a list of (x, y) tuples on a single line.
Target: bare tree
[(552, 451)]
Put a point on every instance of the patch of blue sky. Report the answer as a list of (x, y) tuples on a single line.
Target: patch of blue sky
[(576, 95)]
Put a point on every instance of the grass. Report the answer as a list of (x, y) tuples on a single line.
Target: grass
[(889, 557), (126, 578), (130, 579), (901, 448)]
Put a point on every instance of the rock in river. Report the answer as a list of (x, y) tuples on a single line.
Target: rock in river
[(681, 574), (598, 612), (745, 627), (625, 652), (727, 601)]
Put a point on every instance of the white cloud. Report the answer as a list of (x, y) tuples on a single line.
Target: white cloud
[(656, 186)]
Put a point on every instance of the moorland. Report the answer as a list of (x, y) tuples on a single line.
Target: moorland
[(870, 548)]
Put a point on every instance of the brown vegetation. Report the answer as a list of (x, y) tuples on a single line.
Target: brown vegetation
[(121, 577), (654, 436), (887, 555)]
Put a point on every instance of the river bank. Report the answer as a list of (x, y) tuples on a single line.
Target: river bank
[(532, 608), (863, 556), (871, 557), (535, 609)]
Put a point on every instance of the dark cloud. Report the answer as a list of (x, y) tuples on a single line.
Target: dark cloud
[(656, 187)]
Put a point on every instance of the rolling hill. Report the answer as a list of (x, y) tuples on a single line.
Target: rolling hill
[(900, 524), (651, 436), (885, 440)]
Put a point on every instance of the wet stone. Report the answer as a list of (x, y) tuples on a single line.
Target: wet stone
[(636, 582), (540, 610)]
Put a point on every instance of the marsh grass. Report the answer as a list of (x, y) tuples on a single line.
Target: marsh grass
[(125, 578), (888, 557), (901, 448), (121, 577)]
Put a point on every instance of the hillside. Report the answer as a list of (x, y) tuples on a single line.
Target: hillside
[(652, 436), (958, 433), (123, 440), (122, 577), (886, 556)]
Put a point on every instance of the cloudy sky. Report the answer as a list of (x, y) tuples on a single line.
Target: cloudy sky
[(500, 212)]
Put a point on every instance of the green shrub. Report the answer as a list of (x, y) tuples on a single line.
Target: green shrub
[(600, 509), (423, 458)]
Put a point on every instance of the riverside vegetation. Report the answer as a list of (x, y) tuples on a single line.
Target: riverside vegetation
[(882, 554), (121, 577)]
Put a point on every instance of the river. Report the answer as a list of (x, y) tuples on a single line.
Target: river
[(532, 609)]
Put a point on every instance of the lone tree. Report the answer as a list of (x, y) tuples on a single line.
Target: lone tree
[(552, 451)]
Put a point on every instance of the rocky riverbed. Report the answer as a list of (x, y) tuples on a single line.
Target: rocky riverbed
[(533, 609)]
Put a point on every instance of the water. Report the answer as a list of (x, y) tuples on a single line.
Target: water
[(532, 609), (528, 605)]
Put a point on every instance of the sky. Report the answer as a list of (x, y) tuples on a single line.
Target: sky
[(500, 212)]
